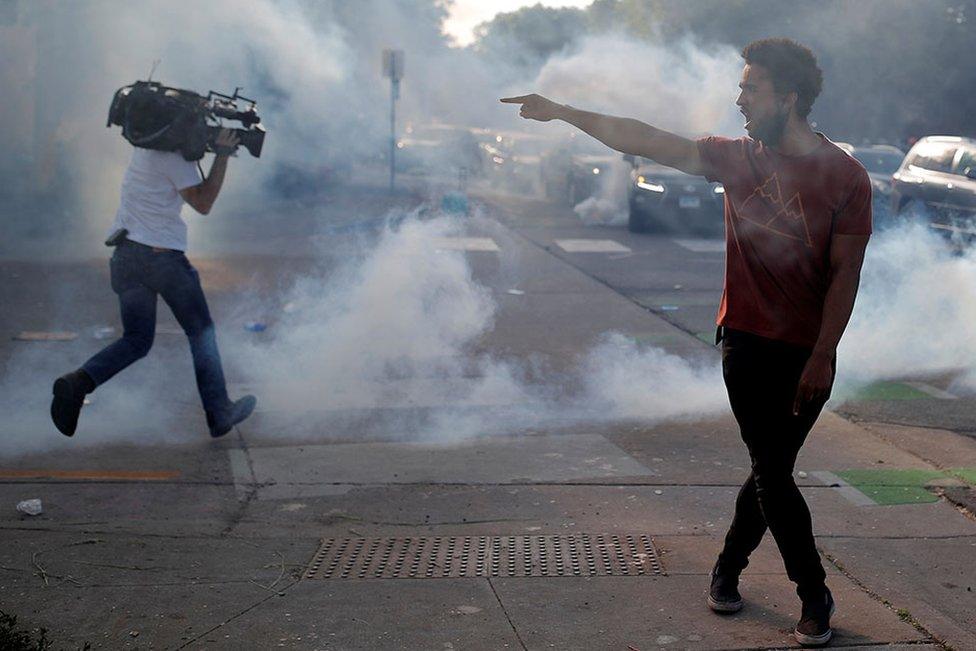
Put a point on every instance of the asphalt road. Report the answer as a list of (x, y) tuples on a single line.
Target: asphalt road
[(478, 493)]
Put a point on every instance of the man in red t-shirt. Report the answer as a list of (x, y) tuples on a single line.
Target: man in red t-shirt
[(797, 222)]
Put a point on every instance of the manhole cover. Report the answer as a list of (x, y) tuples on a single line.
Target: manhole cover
[(474, 556)]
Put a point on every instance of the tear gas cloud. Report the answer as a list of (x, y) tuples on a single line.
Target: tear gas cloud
[(679, 87), (399, 325), (314, 68), (914, 312)]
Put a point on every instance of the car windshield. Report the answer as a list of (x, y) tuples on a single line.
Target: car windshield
[(967, 161), (879, 161), (935, 156)]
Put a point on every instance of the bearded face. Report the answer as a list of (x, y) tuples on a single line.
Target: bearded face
[(765, 110)]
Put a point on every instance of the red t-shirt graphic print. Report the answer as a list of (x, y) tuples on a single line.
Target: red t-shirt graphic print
[(780, 213)]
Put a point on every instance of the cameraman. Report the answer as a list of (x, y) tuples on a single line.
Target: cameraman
[(149, 261)]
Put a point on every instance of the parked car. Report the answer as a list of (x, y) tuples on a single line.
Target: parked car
[(937, 182), (666, 200), (881, 162)]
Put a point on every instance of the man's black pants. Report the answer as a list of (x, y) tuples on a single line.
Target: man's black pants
[(762, 376)]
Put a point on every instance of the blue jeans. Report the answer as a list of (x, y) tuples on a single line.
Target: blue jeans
[(139, 274)]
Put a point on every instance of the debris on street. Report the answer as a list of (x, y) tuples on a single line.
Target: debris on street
[(30, 507)]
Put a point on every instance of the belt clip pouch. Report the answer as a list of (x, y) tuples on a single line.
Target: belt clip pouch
[(117, 237)]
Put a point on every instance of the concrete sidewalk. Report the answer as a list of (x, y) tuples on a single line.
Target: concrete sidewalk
[(216, 556)]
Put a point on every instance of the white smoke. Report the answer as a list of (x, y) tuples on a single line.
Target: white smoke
[(608, 206), (313, 67), (680, 88), (914, 314), (401, 326), (650, 384), (405, 308)]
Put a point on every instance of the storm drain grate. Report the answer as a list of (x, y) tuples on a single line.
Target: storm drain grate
[(485, 556)]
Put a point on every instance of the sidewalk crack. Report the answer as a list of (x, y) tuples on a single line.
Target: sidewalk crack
[(507, 616), (252, 487)]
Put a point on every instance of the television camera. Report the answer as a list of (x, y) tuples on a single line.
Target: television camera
[(154, 116)]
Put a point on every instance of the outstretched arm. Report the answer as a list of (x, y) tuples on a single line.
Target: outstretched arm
[(623, 134)]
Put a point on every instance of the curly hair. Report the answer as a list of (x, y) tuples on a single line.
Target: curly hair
[(792, 67)]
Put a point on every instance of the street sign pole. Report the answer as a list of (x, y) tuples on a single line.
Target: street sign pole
[(394, 88), (393, 68)]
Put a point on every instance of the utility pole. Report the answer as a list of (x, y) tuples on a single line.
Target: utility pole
[(393, 68)]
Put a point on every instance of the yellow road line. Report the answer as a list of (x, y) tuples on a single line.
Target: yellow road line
[(144, 475)]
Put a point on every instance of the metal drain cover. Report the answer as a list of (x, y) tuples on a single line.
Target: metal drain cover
[(487, 556)]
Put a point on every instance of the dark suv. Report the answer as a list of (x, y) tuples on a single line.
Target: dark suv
[(937, 182)]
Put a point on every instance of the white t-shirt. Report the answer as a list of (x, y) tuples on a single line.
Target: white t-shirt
[(150, 204)]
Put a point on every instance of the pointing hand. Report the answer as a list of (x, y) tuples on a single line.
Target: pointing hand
[(535, 107)]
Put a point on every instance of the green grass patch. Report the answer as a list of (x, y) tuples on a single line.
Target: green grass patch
[(889, 487), (968, 475), (888, 391)]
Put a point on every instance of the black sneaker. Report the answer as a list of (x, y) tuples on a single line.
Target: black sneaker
[(69, 395), (223, 421), (723, 594), (813, 629)]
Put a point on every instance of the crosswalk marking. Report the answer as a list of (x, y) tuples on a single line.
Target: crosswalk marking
[(592, 246), (702, 246), (466, 244)]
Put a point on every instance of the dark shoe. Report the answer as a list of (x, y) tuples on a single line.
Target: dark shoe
[(723, 594), (69, 396), (223, 421), (813, 629)]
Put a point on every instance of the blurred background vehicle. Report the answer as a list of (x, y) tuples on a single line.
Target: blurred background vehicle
[(512, 159), (574, 169), (665, 200), (439, 149), (936, 183)]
